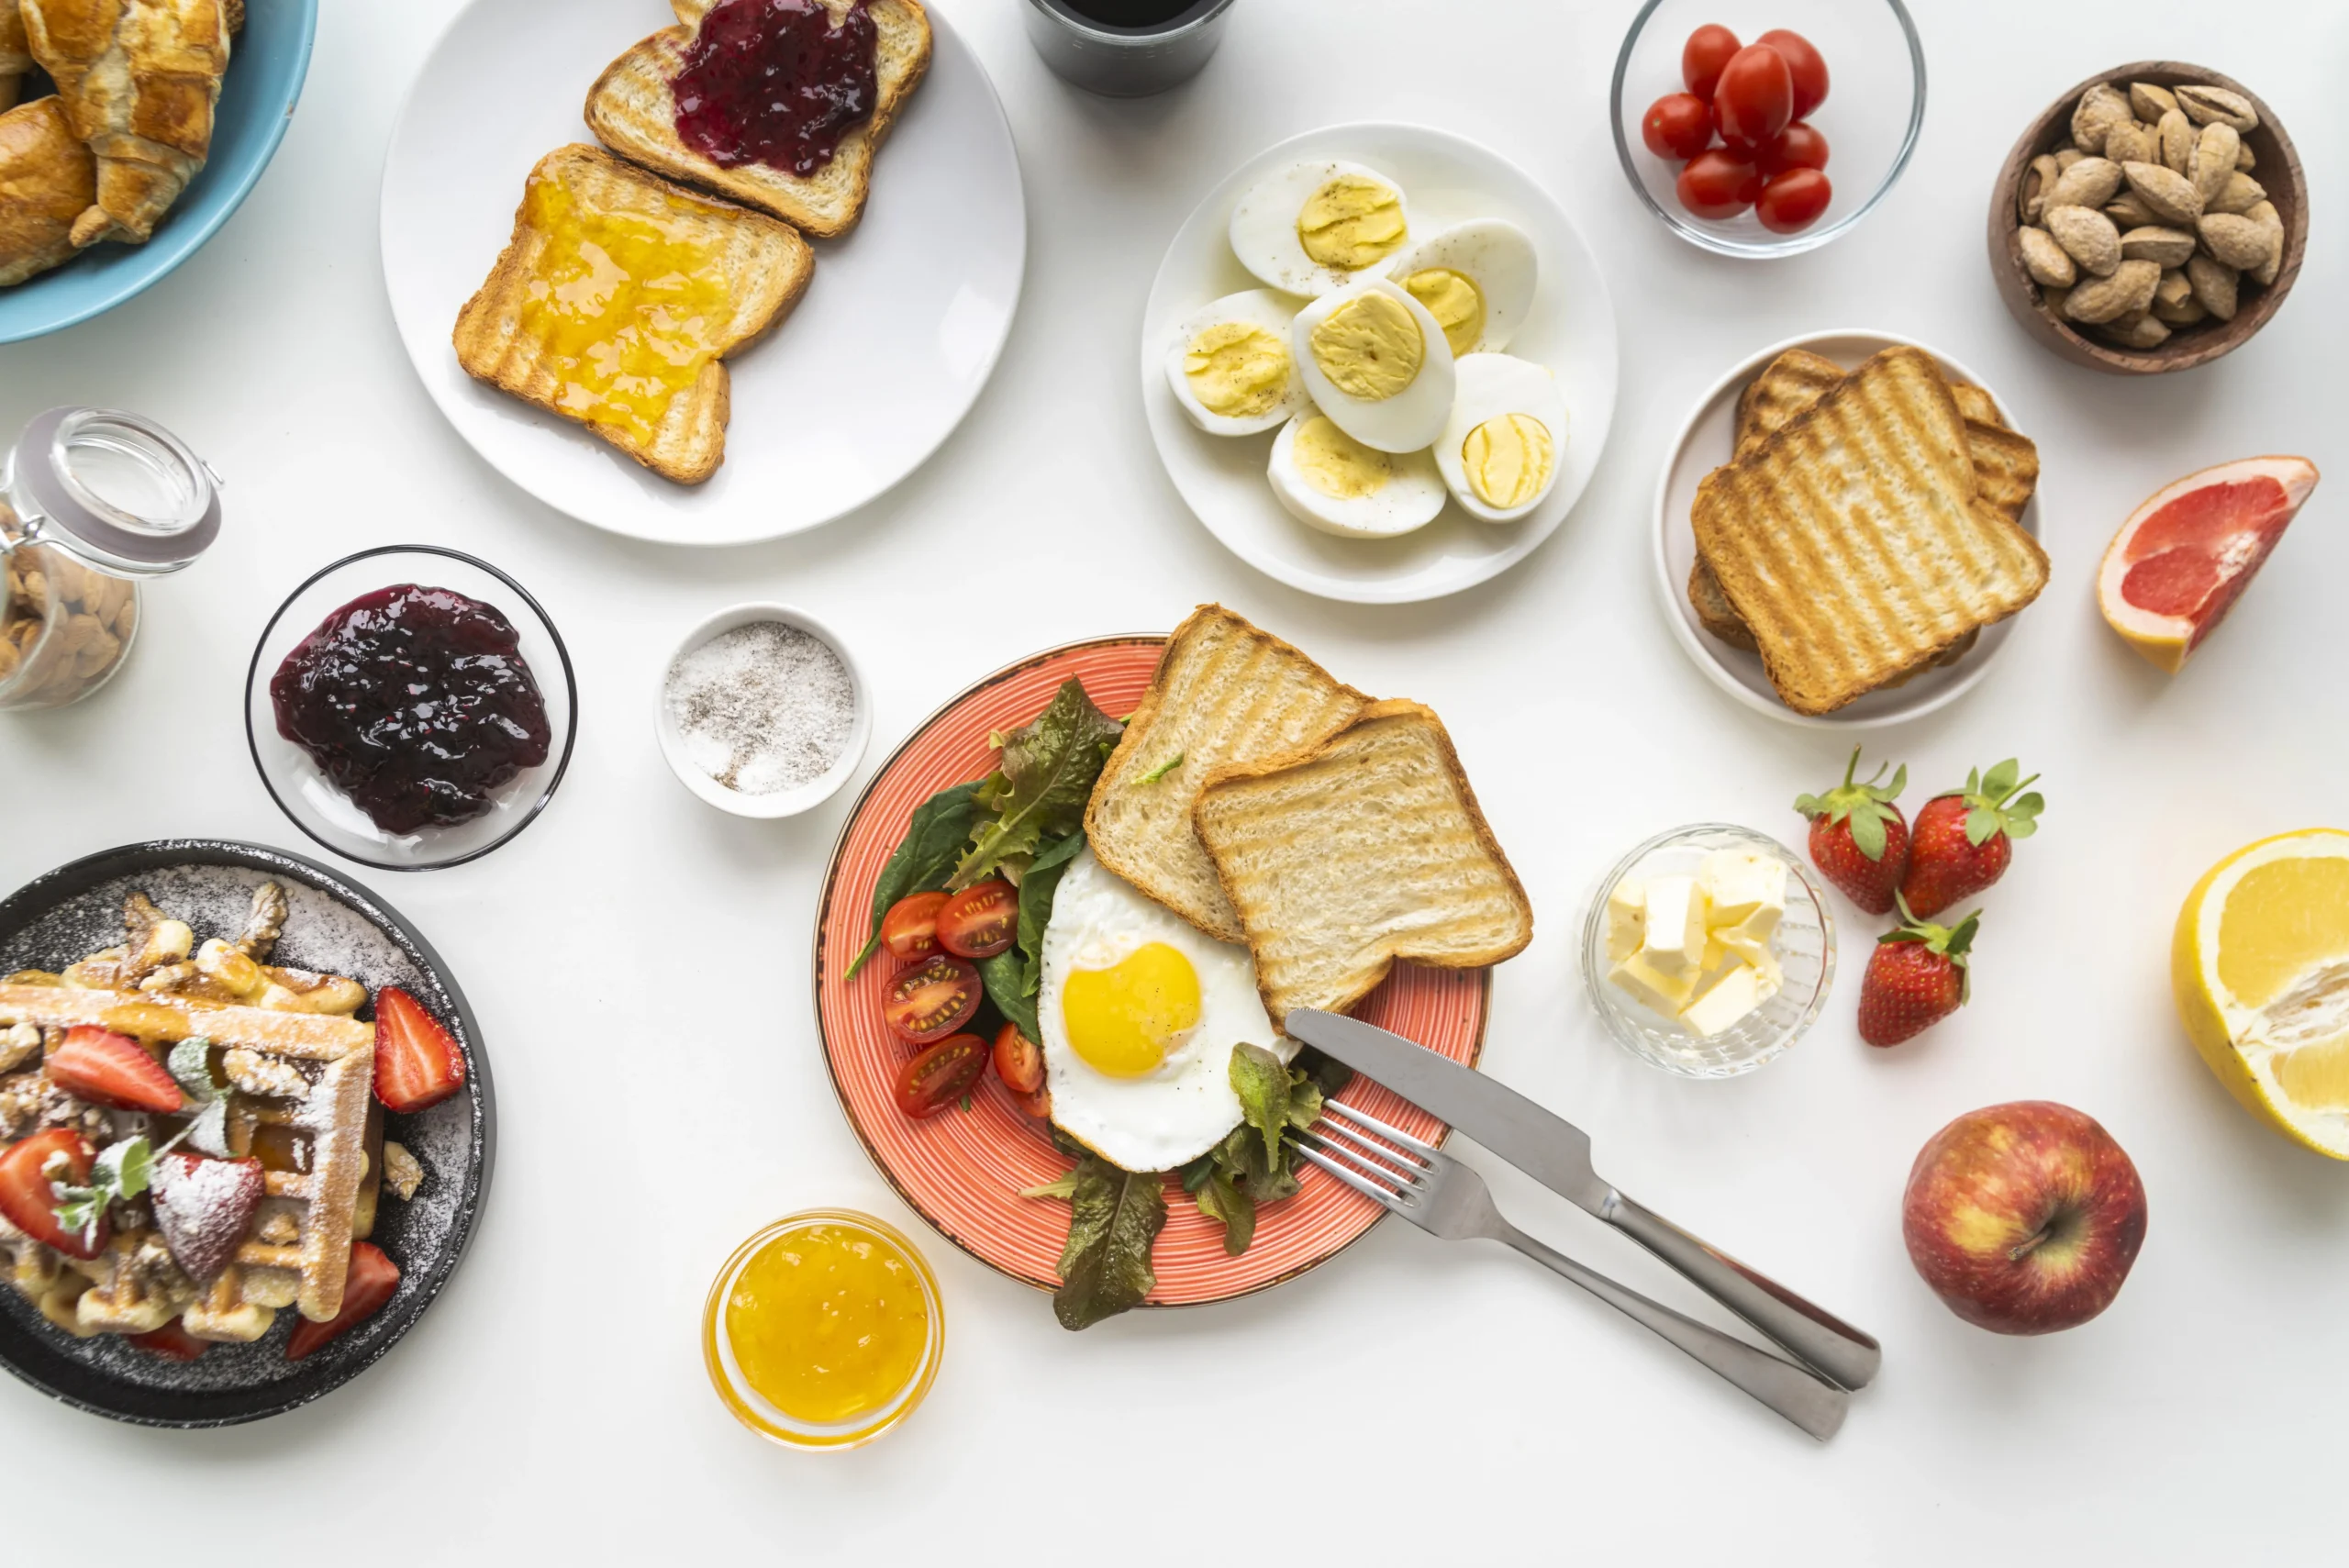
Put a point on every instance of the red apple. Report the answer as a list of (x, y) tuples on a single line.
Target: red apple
[(2024, 1218)]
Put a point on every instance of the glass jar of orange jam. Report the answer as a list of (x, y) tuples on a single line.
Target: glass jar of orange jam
[(823, 1329)]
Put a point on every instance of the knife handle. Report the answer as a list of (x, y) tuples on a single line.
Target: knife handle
[(1820, 1338)]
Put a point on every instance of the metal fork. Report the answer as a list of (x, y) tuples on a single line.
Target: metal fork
[(1446, 1198)]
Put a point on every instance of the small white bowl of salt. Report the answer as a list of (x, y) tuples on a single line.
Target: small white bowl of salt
[(762, 711)]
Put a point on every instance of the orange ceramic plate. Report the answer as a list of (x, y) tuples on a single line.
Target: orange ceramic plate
[(963, 1171)]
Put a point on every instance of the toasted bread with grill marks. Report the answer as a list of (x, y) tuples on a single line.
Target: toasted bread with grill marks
[(765, 266), (1225, 693), (1852, 543), (1343, 857), (633, 110)]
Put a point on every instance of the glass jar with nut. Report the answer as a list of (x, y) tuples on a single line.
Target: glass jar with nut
[(90, 503)]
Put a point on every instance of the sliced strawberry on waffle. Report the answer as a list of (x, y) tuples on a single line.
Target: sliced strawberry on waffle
[(417, 1064), (204, 1207), (112, 1070)]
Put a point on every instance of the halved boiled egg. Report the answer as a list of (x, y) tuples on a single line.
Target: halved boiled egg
[(1232, 367), (1507, 435), (1377, 362), (1312, 227), (1476, 280), (1331, 481)]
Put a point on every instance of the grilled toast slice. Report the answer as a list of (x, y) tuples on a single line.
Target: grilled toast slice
[(1852, 543), (1343, 857), (1225, 693), (633, 111), (724, 277)]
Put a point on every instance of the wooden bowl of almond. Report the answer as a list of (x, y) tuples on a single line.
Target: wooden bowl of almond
[(2151, 220)]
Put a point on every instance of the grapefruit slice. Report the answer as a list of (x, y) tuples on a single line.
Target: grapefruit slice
[(2181, 562)]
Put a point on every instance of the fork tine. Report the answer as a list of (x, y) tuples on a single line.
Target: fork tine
[(1399, 1167), (1362, 1184), (1379, 1129)]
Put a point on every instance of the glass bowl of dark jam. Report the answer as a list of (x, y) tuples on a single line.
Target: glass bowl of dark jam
[(410, 707)]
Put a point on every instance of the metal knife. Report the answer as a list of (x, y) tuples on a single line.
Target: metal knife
[(1556, 1153)]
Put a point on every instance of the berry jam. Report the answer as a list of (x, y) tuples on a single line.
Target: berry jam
[(775, 82), (416, 703)]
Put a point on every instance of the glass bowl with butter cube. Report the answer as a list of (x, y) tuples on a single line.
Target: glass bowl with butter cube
[(1708, 951)]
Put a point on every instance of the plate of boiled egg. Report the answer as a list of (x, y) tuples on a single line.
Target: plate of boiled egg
[(1379, 364)]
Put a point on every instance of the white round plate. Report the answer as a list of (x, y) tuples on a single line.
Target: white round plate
[(1704, 445), (877, 364), (1571, 329)]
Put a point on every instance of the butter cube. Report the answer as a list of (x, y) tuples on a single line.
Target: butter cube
[(1674, 943), (1653, 987), (1736, 993), (1625, 919), (1758, 954), (1747, 891)]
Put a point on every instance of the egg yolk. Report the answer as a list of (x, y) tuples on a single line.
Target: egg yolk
[(1352, 222), (1455, 301), (625, 305), (1335, 464), (1370, 347), (1237, 370), (1509, 459), (828, 1323), (1123, 1020)]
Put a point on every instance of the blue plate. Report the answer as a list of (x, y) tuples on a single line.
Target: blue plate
[(266, 65)]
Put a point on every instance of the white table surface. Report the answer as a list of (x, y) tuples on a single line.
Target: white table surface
[(639, 961)]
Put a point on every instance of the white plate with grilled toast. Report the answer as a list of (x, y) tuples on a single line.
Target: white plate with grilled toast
[(1570, 329), (831, 403), (2007, 475)]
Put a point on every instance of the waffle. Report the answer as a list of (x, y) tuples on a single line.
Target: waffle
[(299, 1084)]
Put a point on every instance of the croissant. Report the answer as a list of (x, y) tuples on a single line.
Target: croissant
[(47, 179), (139, 78), (15, 58)]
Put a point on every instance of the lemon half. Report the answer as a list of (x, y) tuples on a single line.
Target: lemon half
[(2261, 968)]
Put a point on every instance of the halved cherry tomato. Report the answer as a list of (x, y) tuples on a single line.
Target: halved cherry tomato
[(910, 929), (1804, 64), (1018, 1061), (1677, 125), (940, 1075), (1719, 184), (932, 999), (1799, 146), (1037, 1104), (1793, 201), (1701, 58), (1755, 99), (30, 1204), (979, 921)]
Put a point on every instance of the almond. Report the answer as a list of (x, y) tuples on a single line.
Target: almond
[(2128, 210), (2237, 241), (2176, 134), (2210, 105), (2214, 285), (2131, 140), (2264, 214), (2245, 160), (2149, 102), (2239, 194), (2214, 160), (2170, 194), (2166, 248), (2067, 156), (2129, 288), (2045, 261), (2030, 191), (2087, 235), (2092, 182), (2100, 109), (2138, 329)]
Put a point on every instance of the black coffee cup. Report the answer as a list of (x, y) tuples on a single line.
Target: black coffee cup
[(1126, 49)]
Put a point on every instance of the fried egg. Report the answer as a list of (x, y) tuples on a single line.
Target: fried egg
[(1139, 1011), (1231, 364), (1312, 227), (1505, 437), (1476, 280), (1377, 363), (1332, 482)]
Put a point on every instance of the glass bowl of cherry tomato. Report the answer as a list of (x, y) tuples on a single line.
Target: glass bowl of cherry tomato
[(1767, 128)]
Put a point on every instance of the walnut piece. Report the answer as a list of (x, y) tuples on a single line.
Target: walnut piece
[(402, 1171), (268, 1077)]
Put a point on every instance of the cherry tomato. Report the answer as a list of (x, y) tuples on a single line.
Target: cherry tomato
[(1018, 1061), (932, 999), (1701, 58), (1037, 1104), (1677, 125), (1719, 184), (1804, 64), (1755, 98), (910, 927), (979, 921), (1793, 200), (940, 1075), (1797, 146)]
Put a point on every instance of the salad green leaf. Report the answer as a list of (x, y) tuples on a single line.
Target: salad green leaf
[(1256, 1164), (1114, 1219), (925, 857), (1006, 979), (1044, 774), (1261, 1082), (1036, 890), (1221, 1198)]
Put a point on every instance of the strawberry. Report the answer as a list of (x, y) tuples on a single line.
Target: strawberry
[(417, 1064), (171, 1341), (1916, 976), (204, 1207), (1965, 840), (111, 1070), (28, 1195), (370, 1283), (1859, 840)]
